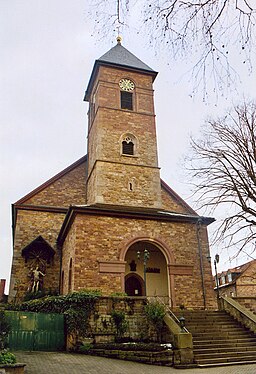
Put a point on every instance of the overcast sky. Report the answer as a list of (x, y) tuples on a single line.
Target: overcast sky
[(47, 54)]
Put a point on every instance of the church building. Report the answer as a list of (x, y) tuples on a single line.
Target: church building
[(108, 221)]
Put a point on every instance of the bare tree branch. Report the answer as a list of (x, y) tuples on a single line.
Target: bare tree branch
[(223, 167), (210, 30)]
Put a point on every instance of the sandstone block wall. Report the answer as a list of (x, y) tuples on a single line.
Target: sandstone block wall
[(180, 240), (109, 172), (101, 321), (246, 283), (70, 189), (33, 221), (31, 224), (249, 302)]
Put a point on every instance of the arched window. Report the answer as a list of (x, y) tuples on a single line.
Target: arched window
[(128, 145), (70, 276)]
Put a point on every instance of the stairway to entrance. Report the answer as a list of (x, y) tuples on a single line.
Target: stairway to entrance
[(218, 339)]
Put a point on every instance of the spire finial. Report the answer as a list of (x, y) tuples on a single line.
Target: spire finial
[(119, 39)]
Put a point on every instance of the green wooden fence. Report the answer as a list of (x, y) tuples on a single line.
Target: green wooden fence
[(36, 331)]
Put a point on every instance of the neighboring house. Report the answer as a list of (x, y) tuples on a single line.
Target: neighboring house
[(239, 281), (83, 228)]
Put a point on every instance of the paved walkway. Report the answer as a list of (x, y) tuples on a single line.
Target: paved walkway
[(67, 363)]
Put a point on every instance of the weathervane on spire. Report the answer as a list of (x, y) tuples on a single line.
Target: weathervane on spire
[(118, 39)]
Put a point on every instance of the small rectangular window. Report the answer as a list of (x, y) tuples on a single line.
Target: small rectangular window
[(126, 100)]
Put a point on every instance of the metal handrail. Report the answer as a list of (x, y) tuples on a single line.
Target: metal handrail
[(168, 309)]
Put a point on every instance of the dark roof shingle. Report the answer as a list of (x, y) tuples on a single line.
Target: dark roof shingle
[(119, 55), (124, 59)]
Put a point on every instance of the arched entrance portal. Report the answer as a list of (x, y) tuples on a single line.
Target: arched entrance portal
[(134, 285), (148, 277)]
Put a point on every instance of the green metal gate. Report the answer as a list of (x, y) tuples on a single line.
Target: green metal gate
[(36, 331)]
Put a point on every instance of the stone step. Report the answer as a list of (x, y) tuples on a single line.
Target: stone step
[(213, 335), (218, 339), (223, 344), (212, 323), (212, 355), (223, 328), (223, 360), (201, 313), (233, 342), (208, 320), (216, 350), (224, 332), (232, 363)]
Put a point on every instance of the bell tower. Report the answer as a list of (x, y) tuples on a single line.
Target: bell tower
[(122, 145)]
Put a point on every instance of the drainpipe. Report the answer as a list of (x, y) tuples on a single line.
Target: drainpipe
[(198, 229), (59, 249)]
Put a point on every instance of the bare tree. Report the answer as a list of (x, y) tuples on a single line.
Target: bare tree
[(223, 165), (212, 31)]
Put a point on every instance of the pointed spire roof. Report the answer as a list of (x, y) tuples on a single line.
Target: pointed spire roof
[(118, 56)]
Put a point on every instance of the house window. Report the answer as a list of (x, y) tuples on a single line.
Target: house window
[(229, 277), (126, 100), (223, 280)]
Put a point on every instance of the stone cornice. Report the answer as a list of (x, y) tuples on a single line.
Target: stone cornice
[(127, 213)]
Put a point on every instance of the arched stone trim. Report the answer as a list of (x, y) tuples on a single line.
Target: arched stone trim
[(129, 139), (167, 252)]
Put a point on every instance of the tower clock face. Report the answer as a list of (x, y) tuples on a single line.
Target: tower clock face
[(126, 84)]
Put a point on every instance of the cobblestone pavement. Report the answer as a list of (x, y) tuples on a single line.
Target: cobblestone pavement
[(67, 363)]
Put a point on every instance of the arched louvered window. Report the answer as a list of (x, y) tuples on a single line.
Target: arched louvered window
[(128, 145)]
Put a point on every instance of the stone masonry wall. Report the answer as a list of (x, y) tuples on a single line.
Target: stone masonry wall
[(103, 238), (109, 172), (171, 204), (101, 322), (246, 282), (63, 192), (229, 291), (68, 190), (31, 224), (68, 257), (249, 302), (113, 186)]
